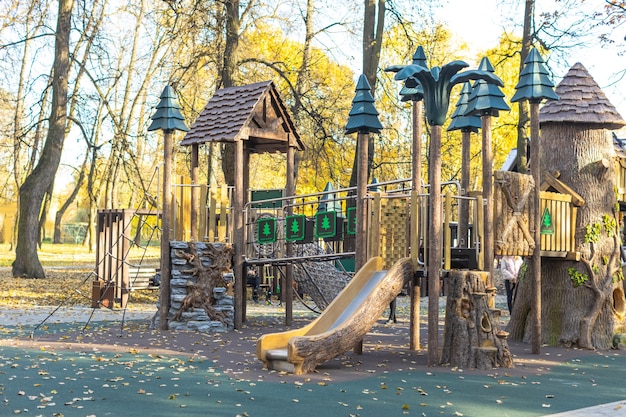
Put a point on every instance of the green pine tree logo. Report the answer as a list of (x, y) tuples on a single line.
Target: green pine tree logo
[(547, 219), (546, 223), (266, 229), (325, 223), (295, 227)]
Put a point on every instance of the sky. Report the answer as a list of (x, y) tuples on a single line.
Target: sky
[(478, 22)]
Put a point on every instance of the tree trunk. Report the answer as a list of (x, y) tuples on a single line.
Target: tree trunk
[(373, 24), (32, 191), (522, 124), (227, 74), (472, 335), (578, 315)]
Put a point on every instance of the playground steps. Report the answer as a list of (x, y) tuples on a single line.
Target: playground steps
[(278, 360)]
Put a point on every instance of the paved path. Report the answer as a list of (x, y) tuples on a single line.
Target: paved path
[(615, 409)]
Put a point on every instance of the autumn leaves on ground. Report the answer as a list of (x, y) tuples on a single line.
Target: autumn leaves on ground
[(69, 275)]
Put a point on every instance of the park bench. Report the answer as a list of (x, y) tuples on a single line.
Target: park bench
[(143, 278)]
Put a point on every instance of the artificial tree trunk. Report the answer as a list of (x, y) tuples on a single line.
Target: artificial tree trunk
[(582, 301)]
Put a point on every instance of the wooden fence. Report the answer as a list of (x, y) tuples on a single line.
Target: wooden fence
[(515, 218), (213, 217)]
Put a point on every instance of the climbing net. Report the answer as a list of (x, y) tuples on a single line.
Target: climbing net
[(124, 238)]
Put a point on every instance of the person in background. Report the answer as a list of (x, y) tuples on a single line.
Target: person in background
[(510, 266), (253, 280)]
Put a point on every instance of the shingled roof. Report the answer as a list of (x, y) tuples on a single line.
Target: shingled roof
[(254, 113), (581, 100)]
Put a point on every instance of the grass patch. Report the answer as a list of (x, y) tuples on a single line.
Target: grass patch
[(75, 255), (69, 275)]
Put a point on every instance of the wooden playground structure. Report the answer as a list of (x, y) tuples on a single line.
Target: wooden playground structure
[(395, 215)]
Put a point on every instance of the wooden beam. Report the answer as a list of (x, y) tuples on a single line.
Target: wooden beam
[(259, 133), (561, 187)]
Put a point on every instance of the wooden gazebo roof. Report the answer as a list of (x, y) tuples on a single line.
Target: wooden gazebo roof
[(581, 100), (254, 113)]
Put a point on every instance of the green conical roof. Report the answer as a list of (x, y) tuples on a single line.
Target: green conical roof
[(415, 93), (486, 99), (459, 120), (534, 80), (374, 187), (363, 117), (328, 201), (167, 116)]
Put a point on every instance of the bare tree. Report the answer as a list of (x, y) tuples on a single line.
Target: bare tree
[(32, 191), (524, 118), (373, 27)]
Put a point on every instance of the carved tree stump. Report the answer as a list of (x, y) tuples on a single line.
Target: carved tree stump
[(472, 335)]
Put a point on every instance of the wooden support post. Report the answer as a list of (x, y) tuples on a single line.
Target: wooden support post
[(373, 248), (195, 191), (360, 257), (361, 192), (535, 166), (290, 190), (202, 215), (488, 254), (416, 159), (122, 287), (164, 305), (434, 246), (223, 213), (463, 227), (238, 236), (447, 233), (414, 329), (212, 232), (245, 187)]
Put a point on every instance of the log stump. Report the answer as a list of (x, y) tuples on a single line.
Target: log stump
[(472, 335)]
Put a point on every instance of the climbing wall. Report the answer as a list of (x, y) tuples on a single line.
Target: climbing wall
[(394, 230)]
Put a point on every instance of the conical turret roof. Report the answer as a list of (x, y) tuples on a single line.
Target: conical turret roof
[(581, 100)]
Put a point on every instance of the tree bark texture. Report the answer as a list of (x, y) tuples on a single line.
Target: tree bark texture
[(208, 277), (524, 118), (514, 214), (32, 191), (584, 315), (373, 25), (472, 336)]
